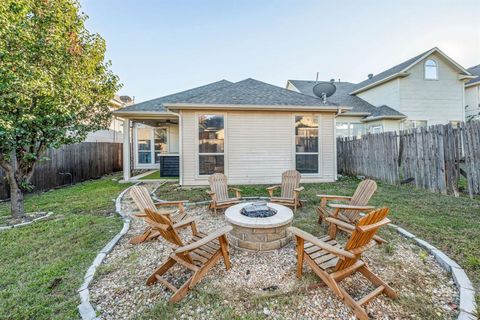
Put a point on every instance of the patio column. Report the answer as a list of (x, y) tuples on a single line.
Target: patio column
[(126, 149)]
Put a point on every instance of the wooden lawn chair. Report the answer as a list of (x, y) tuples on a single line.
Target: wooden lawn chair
[(333, 263), (350, 212), (219, 192), (199, 255), (289, 190), (142, 199)]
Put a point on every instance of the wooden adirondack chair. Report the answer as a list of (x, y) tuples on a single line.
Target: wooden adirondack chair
[(332, 263), (142, 199), (350, 212), (289, 190), (199, 255), (219, 192)]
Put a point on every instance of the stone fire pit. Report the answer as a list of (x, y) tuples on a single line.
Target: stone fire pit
[(259, 233)]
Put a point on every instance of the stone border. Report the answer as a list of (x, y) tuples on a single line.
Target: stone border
[(86, 310), (18, 225), (464, 285)]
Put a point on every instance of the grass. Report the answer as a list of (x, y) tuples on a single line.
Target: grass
[(42, 265), (449, 223), (156, 176)]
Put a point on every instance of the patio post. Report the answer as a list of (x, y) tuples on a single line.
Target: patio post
[(126, 150)]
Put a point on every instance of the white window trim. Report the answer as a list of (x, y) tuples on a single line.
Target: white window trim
[(425, 70), (197, 145), (294, 146), (152, 164), (350, 127), (376, 127), (414, 123)]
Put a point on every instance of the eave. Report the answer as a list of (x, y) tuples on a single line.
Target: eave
[(379, 82), (247, 107)]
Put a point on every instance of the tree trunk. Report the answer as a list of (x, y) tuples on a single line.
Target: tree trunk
[(16, 200)]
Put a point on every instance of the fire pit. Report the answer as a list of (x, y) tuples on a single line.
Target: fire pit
[(259, 226)]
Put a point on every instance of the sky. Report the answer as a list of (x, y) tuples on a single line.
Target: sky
[(162, 47)]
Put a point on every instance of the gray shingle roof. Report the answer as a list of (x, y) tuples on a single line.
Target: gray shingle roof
[(157, 104), (342, 96), (385, 112), (389, 72), (476, 72), (254, 92)]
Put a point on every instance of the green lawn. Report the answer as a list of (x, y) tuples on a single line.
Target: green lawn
[(42, 265), (156, 176), (451, 224)]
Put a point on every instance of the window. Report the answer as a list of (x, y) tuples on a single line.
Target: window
[(306, 144), (160, 141), (350, 129), (414, 124), (431, 70), (455, 123), (144, 145), (211, 140), (377, 129)]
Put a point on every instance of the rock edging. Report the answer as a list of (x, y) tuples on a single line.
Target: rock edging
[(86, 310), (464, 285), (18, 225)]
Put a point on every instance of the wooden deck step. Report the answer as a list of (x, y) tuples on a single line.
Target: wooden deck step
[(166, 283), (371, 295)]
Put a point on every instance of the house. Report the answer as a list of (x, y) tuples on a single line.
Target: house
[(114, 133), (425, 90), (472, 94), (250, 130)]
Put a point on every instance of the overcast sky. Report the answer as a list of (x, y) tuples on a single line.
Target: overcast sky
[(162, 47)]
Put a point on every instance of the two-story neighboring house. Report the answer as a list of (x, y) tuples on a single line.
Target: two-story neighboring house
[(425, 90), (472, 94)]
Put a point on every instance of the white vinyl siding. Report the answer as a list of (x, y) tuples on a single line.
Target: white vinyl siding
[(384, 94), (259, 147), (472, 100)]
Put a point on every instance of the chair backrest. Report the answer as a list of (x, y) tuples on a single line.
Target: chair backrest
[(218, 184), (142, 199), (362, 195), (362, 236), (290, 181), (163, 225)]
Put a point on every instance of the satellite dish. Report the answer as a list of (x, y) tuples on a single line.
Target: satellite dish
[(324, 89)]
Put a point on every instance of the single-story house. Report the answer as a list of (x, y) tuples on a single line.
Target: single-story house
[(424, 90), (472, 94), (250, 130)]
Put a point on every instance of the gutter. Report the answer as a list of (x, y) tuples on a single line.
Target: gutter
[(246, 107)]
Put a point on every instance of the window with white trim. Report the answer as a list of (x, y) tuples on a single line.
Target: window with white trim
[(306, 144), (431, 70), (414, 124), (350, 129), (211, 144), (376, 129)]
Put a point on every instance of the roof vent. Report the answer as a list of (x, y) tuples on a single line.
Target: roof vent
[(370, 76), (332, 80)]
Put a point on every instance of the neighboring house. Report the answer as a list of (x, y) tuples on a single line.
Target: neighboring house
[(425, 90), (250, 130), (472, 94), (114, 133)]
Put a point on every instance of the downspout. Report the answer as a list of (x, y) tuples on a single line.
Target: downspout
[(180, 145), (339, 111)]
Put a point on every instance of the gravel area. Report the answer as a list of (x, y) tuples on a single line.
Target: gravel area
[(264, 285)]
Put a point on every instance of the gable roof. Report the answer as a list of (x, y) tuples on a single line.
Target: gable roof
[(252, 92), (384, 112), (156, 105), (341, 97), (400, 70), (476, 72)]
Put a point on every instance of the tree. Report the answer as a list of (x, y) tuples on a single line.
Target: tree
[(55, 85)]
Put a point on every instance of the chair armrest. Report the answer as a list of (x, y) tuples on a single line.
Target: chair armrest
[(333, 197), (238, 192), (139, 215), (350, 207), (369, 227), (184, 222), (212, 236), (156, 224), (210, 192), (299, 189), (340, 223), (271, 189), (342, 254)]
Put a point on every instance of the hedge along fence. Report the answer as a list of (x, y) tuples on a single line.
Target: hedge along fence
[(432, 158), (71, 164)]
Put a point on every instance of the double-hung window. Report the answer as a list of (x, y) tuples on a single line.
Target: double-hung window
[(306, 144), (211, 144)]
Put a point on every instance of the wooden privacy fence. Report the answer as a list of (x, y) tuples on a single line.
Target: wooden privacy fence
[(432, 158), (72, 163)]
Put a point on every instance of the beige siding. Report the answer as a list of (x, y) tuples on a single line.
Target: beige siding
[(472, 100), (385, 94), (259, 146), (437, 101)]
